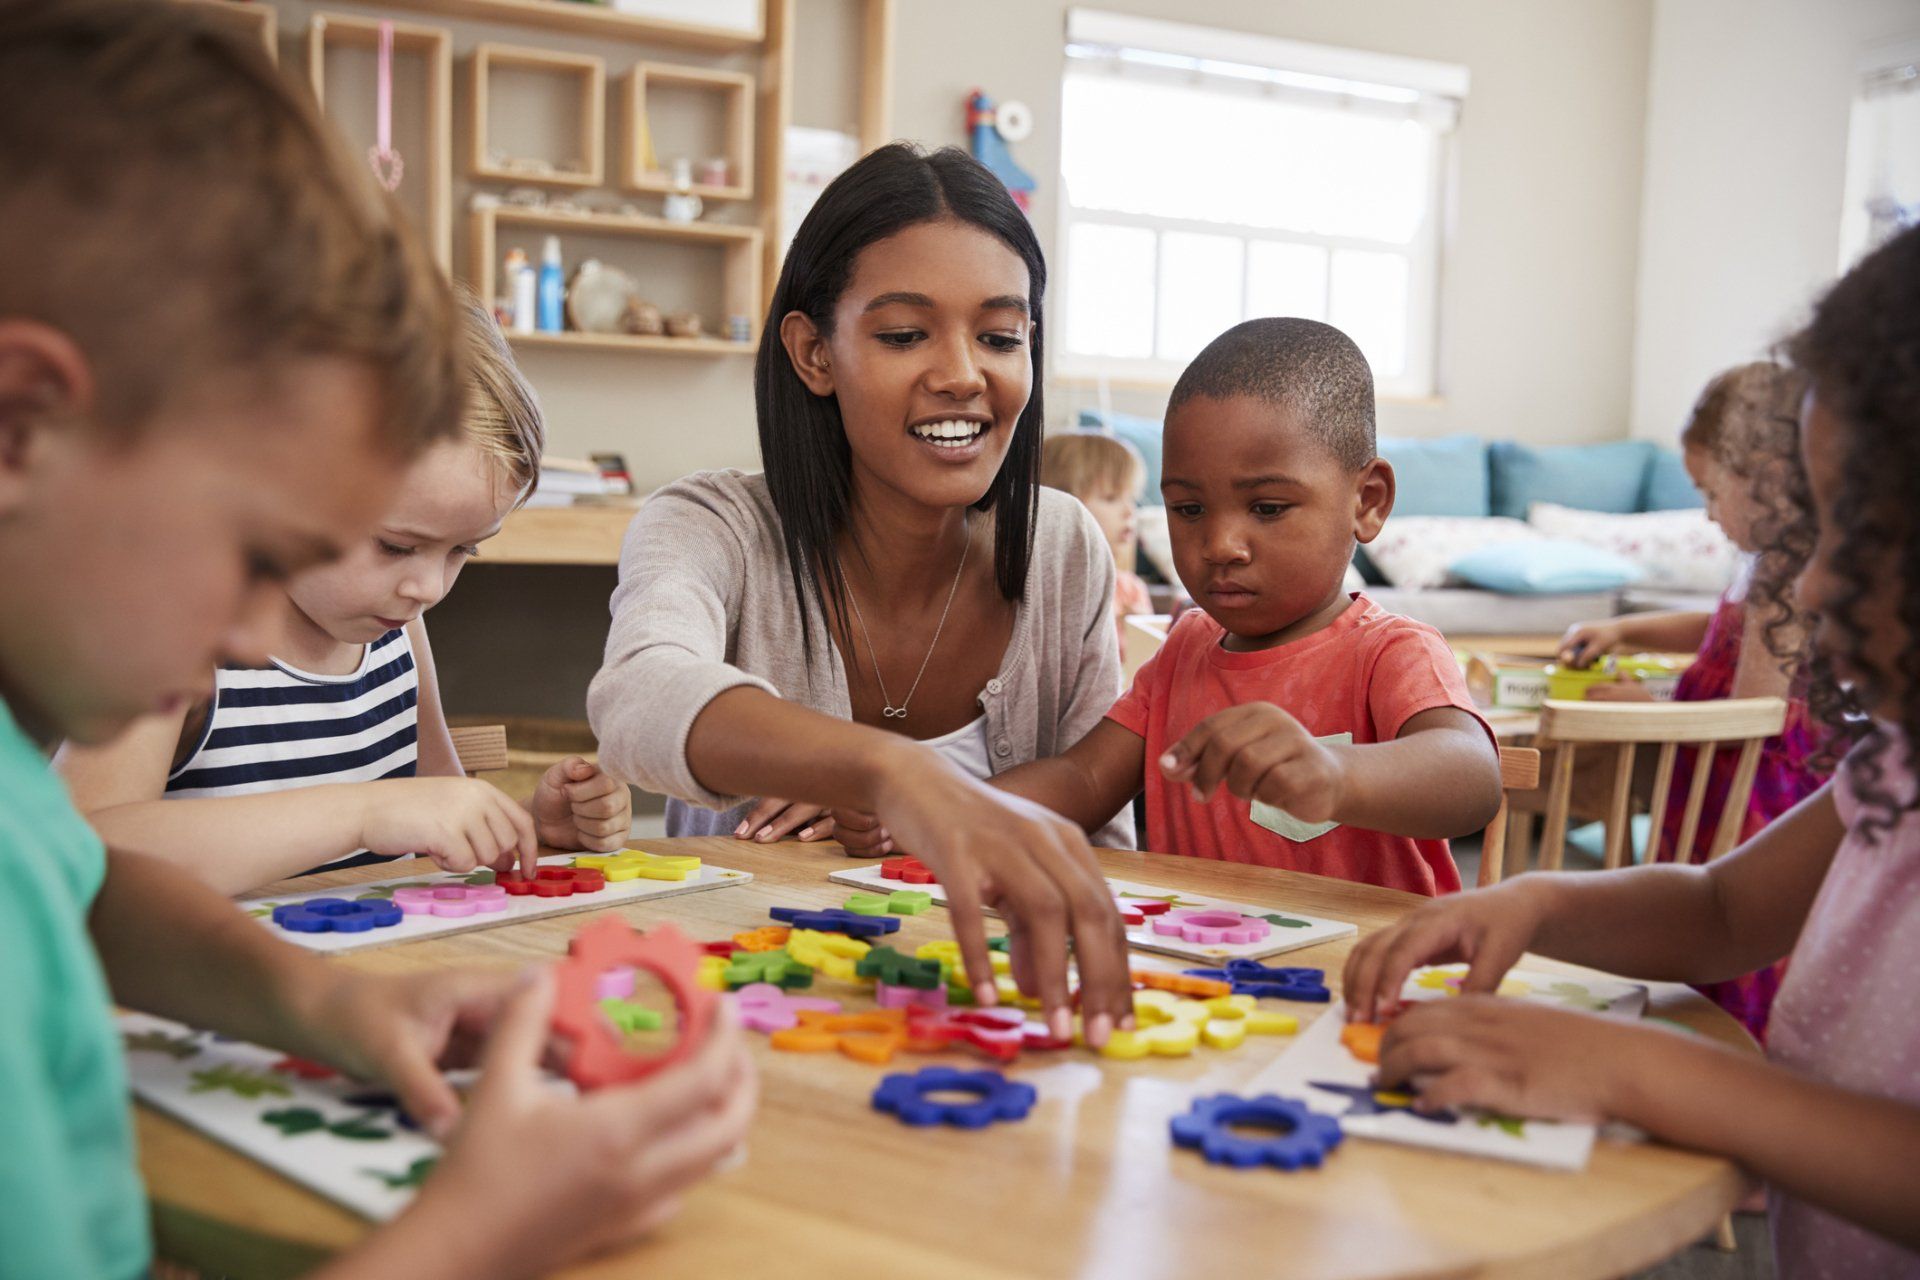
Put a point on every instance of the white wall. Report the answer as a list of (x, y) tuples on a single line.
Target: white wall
[(1537, 295), (1745, 160)]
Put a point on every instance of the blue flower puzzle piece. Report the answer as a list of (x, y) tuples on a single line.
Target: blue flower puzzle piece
[(1302, 1141), (337, 915), (1251, 978), (905, 1095), (836, 920)]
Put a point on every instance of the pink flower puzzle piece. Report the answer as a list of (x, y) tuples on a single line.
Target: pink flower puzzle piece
[(450, 899), (765, 1007), (1211, 928)]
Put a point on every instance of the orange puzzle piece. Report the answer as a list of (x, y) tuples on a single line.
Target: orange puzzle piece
[(1181, 984), (1363, 1040), (771, 937), (873, 1036)]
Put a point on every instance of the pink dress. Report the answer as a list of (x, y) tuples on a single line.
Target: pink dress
[(1848, 1013), (1784, 778)]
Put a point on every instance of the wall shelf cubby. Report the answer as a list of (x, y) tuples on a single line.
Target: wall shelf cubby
[(575, 18), (581, 163), (257, 20), (423, 108), (652, 173), (740, 250)]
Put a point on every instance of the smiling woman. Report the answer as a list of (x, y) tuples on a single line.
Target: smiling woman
[(894, 611)]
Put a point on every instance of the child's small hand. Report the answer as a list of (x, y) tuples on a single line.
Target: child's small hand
[(776, 819), (1516, 1058), (461, 823), (565, 1176), (862, 835), (1489, 929), (1261, 753), (1587, 642), (576, 806)]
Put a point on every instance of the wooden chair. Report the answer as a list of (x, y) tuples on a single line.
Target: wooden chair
[(1519, 771), (1742, 723), (481, 748)]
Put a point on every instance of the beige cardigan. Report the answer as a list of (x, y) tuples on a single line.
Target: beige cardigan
[(706, 603)]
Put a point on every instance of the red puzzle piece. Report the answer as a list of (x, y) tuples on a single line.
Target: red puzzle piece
[(598, 1056), (904, 868)]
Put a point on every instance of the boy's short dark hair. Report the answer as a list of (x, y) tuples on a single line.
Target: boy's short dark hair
[(1311, 368)]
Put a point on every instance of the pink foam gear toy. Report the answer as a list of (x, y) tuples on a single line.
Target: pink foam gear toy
[(1211, 928)]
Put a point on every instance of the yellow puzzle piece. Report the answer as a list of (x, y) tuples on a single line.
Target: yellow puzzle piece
[(833, 954), (632, 864)]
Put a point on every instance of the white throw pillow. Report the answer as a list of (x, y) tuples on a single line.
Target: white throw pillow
[(1414, 551), (1675, 550)]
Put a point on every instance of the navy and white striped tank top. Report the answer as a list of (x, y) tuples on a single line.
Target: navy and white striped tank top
[(276, 727)]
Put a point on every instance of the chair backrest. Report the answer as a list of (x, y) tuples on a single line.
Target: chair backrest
[(1519, 771), (1745, 723), (481, 748)]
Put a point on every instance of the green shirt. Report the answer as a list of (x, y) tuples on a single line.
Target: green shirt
[(70, 1197)]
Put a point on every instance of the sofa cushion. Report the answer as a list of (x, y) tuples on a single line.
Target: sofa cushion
[(1668, 487), (1546, 566), (1141, 432), (1675, 550), (1443, 477), (1416, 551), (1469, 610), (1596, 477)]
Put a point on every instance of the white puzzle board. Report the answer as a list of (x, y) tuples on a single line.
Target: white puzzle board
[(529, 907), (355, 1153), (1289, 929), (1318, 1058)]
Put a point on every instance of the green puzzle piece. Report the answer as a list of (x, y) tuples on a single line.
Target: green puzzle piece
[(628, 1017), (897, 970), (1286, 922), (901, 902), (867, 904), (777, 967), (415, 1176), (1512, 1126), (175, 1047), (294, 1121), (238, 1080), (1000, 943), (1578, 996)]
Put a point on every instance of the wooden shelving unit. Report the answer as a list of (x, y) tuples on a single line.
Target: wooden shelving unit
[(435, 46), (590, 143), (738, 93), (256, 20), (742, 246), (581, 19)]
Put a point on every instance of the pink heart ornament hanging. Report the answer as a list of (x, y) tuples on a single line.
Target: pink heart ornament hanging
[(388, 167)]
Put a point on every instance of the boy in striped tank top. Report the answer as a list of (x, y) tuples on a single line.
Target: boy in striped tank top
[(336, 752)]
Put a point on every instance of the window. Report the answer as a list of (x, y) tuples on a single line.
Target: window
[(1208, 177), (1883, 153)]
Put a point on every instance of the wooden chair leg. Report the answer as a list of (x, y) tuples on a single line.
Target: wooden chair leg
[(1519, 849), (1493, 847)]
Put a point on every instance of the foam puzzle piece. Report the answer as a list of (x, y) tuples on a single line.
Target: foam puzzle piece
[(998, 1033), (598, 1056), (1251, 978), (549, 882), (765, 1007), (908, 1097), (907, 870), (1304, 1141), (834, 920), (777, 968), (893, 969), (628, 1018), (1212, 927), (833, 954), (632, 864), (1449, 978), (865, 904), (711, 974), (874, 1036), (1365, 1100), (768, 937), (1362, 1040), (901, 902), (1194, 982), (450, 899), (614, 984), (1263, 1022), (337, 915), (888, 996)]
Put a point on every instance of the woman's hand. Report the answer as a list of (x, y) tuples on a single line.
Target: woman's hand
[(1489, 929), (775, 819), (991, 848)]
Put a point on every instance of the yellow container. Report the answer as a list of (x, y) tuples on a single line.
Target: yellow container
[(1661, 676)]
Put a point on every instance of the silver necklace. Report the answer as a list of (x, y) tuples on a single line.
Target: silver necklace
[(888, 710)]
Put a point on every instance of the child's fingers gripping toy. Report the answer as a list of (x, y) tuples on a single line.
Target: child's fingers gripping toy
[(599, 1054)]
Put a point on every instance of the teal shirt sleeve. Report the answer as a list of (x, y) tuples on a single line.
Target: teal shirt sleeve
[(71, 1204)]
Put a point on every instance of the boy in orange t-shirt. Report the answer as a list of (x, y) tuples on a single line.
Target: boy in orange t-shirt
[(1291, 725)]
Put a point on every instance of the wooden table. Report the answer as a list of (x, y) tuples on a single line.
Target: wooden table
[(1088, 1186)]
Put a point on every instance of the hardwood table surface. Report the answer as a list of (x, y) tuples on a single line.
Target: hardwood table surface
[(1088, 1186)]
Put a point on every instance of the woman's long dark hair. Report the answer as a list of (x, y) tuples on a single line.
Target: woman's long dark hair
[(803, 442), (1862, 351)]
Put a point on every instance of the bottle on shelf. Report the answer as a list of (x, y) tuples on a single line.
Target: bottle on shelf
[(553, 288), (521, 291)]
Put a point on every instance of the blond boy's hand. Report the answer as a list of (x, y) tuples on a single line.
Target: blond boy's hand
[(1260, 753), (576, 806), (461, 823)]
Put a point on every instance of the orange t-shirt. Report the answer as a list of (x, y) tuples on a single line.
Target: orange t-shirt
[(1365, 674)]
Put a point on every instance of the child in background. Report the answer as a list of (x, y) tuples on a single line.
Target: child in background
[(1830, 1120), (217, 349), (339, 742), (1343, 736), (1742, 447), (1106, 475)]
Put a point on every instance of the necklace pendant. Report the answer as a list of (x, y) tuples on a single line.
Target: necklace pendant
[(894, 713)]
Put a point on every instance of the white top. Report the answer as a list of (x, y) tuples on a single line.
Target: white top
[(967, 748)]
